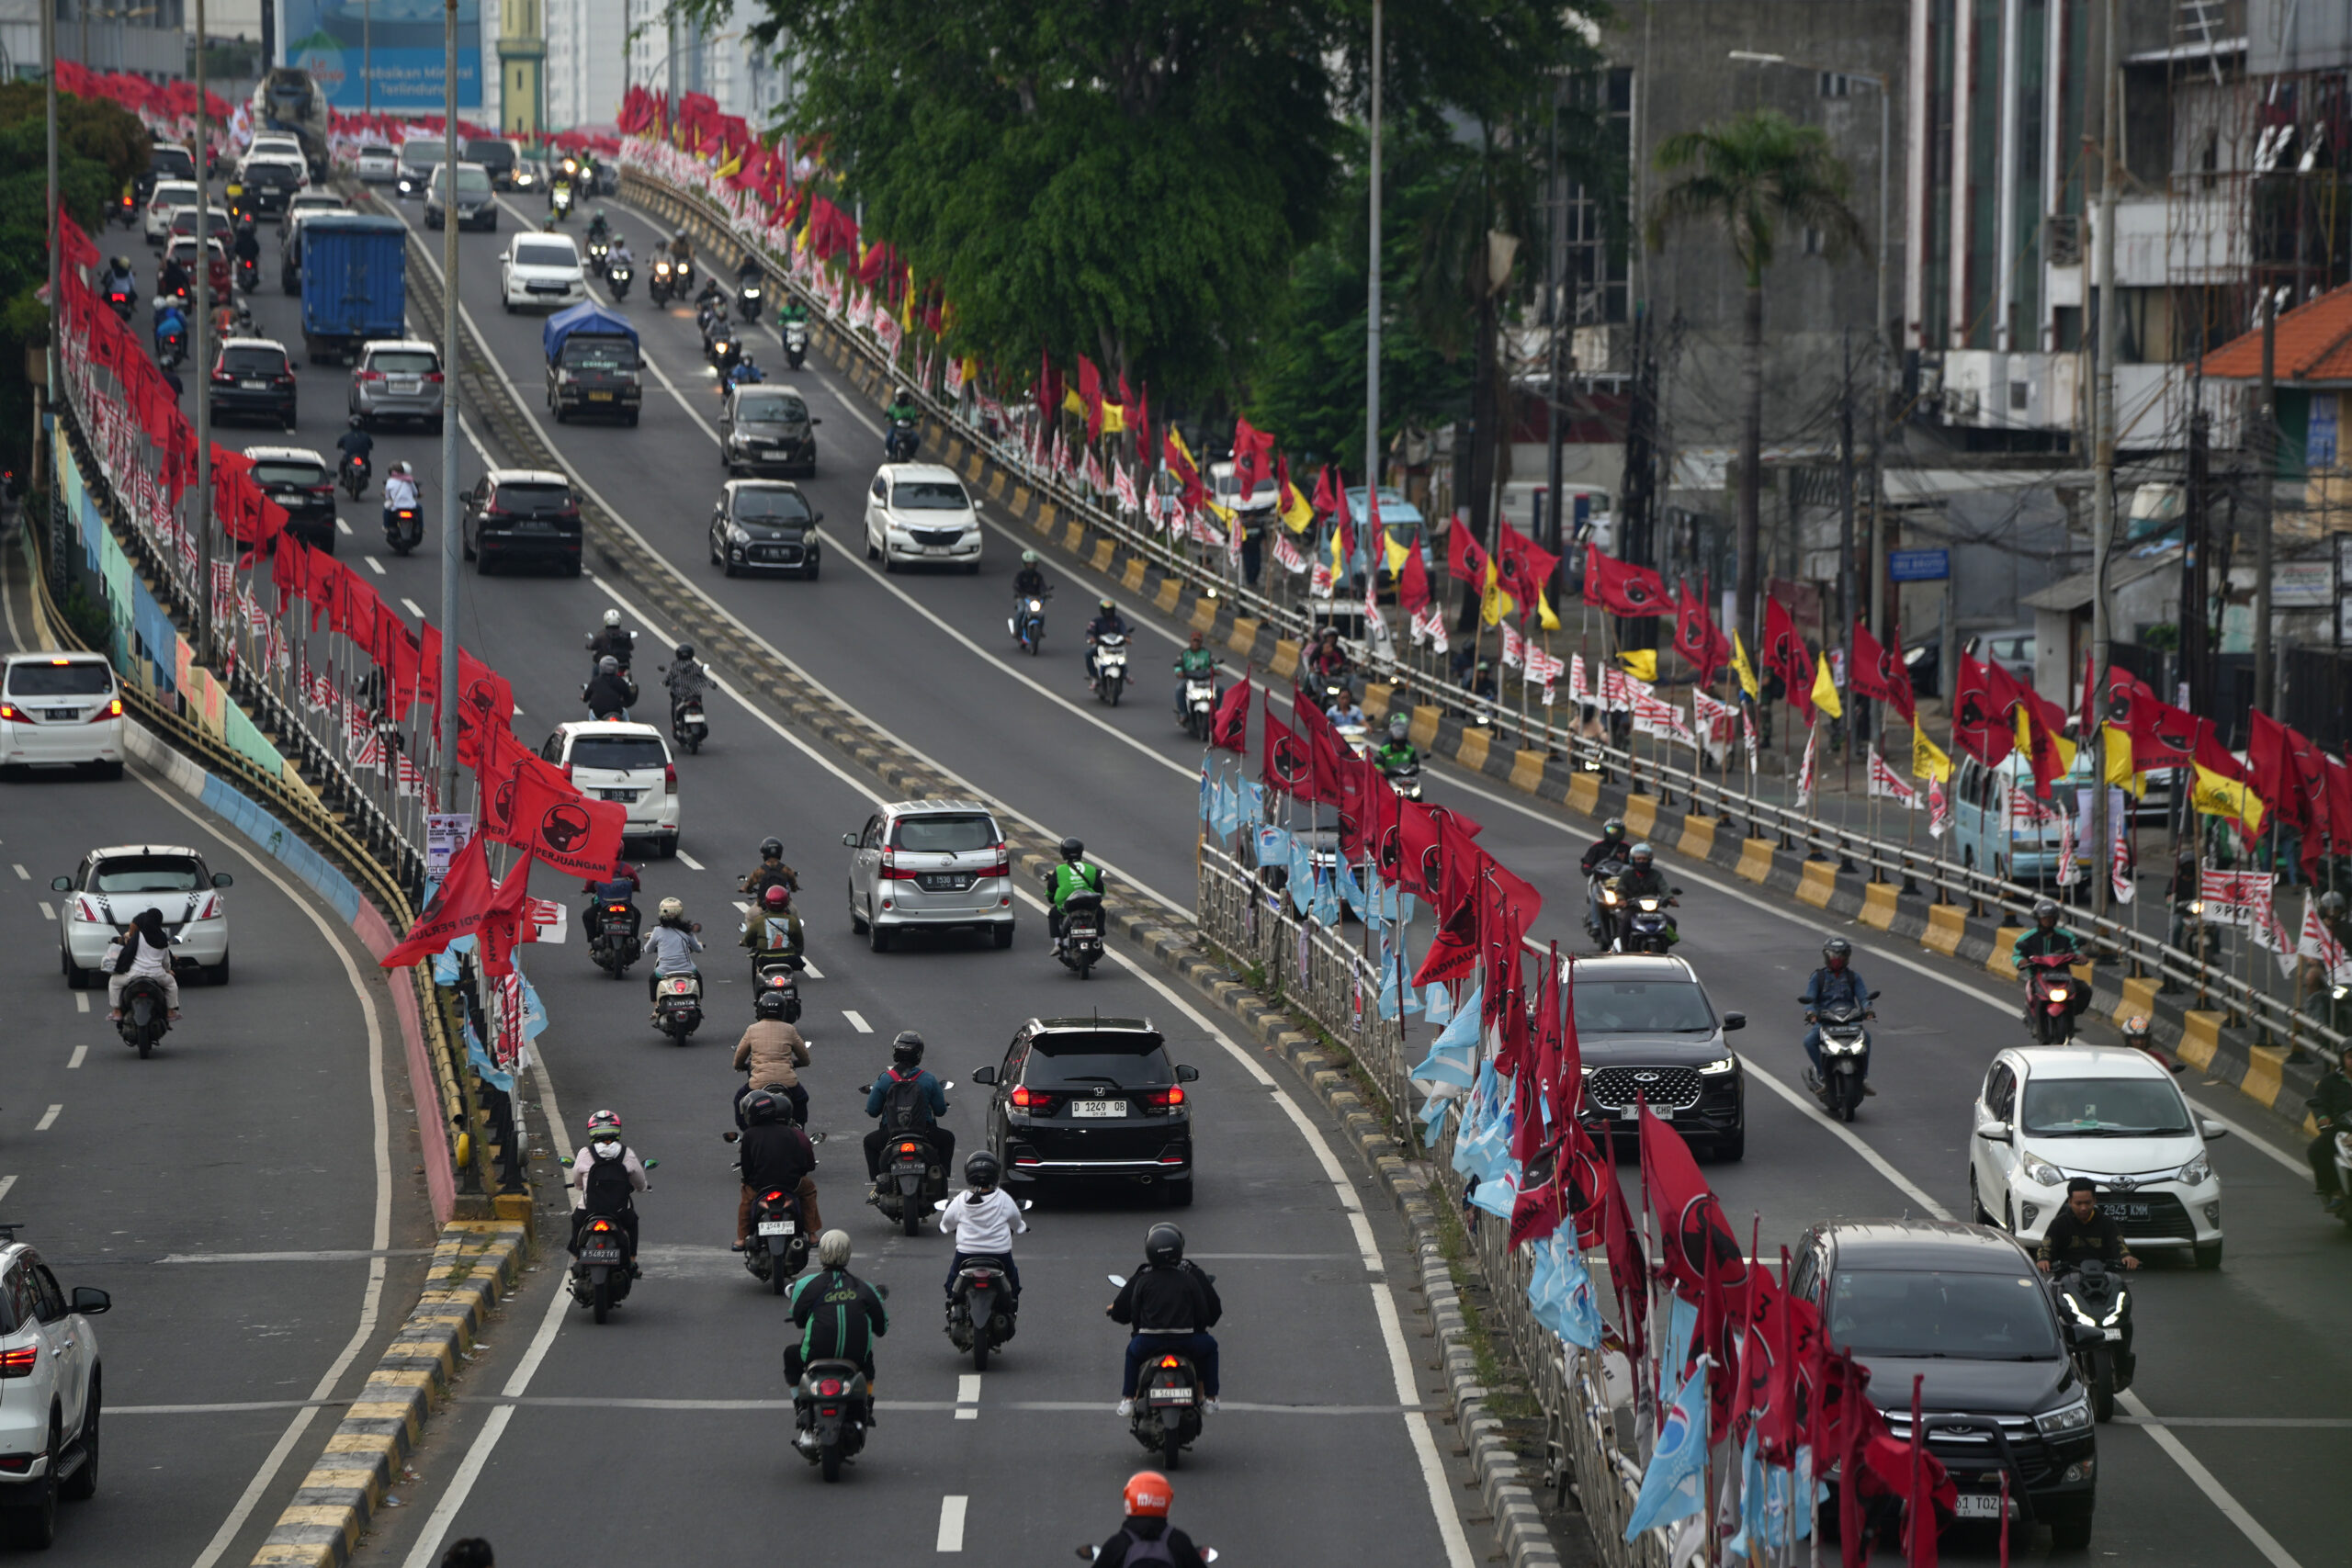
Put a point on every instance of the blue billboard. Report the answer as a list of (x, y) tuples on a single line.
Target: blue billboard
[(397, 45)]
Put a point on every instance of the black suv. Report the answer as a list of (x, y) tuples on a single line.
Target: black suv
[(766, 427), (1962, 1307), (251, 378), (1087, 1098), (300, 481), (1650, 1036), (496, 156), (764, 525), (521, 514)]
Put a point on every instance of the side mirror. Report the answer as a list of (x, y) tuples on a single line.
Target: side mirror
[(61, 884), (1734, 1021), (865, 1089), (564, 1160), (1118, 1280), (652, 1163), (1187, 1074), (1875, 995), (849, 839), (90, 1301), (223, 879), (1992, 1131), (1677, 891), (1026, 1205), (728, 1137), (817, 518), (2210, 1131), (816, 1137), (984, 1075), (880, 1290), (946, 1084)]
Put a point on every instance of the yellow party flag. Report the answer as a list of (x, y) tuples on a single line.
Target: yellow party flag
[(1297, 514), (1339, 559), (1825, 690), (1497, 605), (2218, 797), (1927, 760), (731, 168), (1641, 663), (1397, 554), (1115, 418), (1545, 615), (1747, 672), (2119, 762)]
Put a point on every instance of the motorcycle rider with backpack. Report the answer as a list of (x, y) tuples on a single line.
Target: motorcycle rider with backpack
[(1146, 1536), (1072, 875), (606, 1171), (770, 873), (907, 1099), (773, 1052), (773, 1152)]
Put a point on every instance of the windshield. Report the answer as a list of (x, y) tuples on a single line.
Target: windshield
[(546, 255), (272, 170), (1148, 1068), (377, 149), (1976, 1317), (928, 495), (769, 408), (404, 362), (534, 498), (422, 154), (2103, 1108), (603, 351), (482, 152), (63, 678), (289, 474), (472, 181), (1642, 1007), (147, 874), (172, 161), (175, 194), (943, 835), (771, 506), (253, 361), (620, 752)]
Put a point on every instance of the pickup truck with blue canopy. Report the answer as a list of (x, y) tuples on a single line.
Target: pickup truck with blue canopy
[(592, 363)]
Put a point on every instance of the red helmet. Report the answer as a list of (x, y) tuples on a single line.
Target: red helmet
[(777, 897), (1149, 1493)]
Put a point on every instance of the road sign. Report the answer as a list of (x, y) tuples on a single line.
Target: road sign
[(1918, 566)]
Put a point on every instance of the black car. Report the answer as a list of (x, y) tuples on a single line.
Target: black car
[(1962, 1307), (1092, 1099), (300, 481), (252, 379), (763, 428), (521, 514), (764, 525), (1651, 1036), (497, 157), (270, 184)]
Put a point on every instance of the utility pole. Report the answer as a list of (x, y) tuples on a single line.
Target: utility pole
[(451, 415), (1882, 529), (2265, 463), (1847, 608), (2103, 437), (200, 372), (56, 233), (1372, 274), (1556, 362)]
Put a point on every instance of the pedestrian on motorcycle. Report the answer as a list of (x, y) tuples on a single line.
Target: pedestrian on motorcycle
[(1107, 622), (173, 278), (792, 312), (840, 1316), (2331, 1107), (773, 1153), (1610, 846), (1146, 1536), (606, 1172), (1072, 875), (1642, 879), (983, 1219), (774, 929), (399, 491), (1397, 752), (750, 270), (2047, 937), (773, 1052), (770, 873), (168, 322), (613, 640), (2079, 1233), (619, 255), (901, 405), (1030, 581), (907, 1099), (144, 951), (1836, 982), (247, 245), (1348, 712), (608, 693), (1195, 659), (1172, 1306), (672, 944), (2136, 1034), (599, 227)]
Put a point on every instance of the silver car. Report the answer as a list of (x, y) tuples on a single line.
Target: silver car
[(397, 379), (937, 863)]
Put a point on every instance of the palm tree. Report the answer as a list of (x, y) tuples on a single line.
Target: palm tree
[(1754, 174)]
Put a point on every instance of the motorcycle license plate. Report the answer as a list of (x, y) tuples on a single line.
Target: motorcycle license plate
[(1098, 1108), (2114, 1334), (1983, 1506), (2121, 1212), (600, 1255), (1171, 1396), (777, 1227)]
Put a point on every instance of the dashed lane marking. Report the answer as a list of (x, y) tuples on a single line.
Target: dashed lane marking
[(951, 1522), (691, 863), (345, 527), (374, 565), (47, 1118), (6, 1183), (857, 1021), (22, 875), (81, 1001), (413, 608), (47, 912), (967, 1397), (81, 1053)]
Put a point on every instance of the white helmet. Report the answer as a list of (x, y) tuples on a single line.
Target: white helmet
[(673, 907), (612, 617)]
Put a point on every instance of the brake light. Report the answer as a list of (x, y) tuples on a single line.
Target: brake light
[(1002, 867), (211, 909), (774, 1197), (368, 376), (1037, 1102), (222, 378), (670, 778), (85, 910), (892, 870), (1170, 1361), (1163, 1098), (600, 1225), (434, 376), (19, 1362), (911, 1149), (112, 710), (617, 908), (831, 1388), (8, 711)]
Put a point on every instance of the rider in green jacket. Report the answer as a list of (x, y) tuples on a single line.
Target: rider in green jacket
[(1072, 875)]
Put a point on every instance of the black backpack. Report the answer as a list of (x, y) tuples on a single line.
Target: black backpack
[(607, 1189), (903, 1106)]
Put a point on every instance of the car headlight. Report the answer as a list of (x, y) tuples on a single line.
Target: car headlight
[(1719, 1066), (2041, 1173), (2198, 1171), (2066, 1419)]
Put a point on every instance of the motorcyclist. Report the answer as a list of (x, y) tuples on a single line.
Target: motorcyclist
[(774, 927), (1146, 1526), (773, 1152), (605, 1173), (909, 1096), (2137, 1034), (1610, 846), (1397, 752), (672, 944), (399, 491), (144, 951), (773, 1052), (710, 305), (1171, 1305), (608, 693), (770, 871), (1194, 659), (685, 676), (247, 247), (1837, 981), (619, 255), (983, 1219), (1064, 879), (613, 638), (173, 278), (599, 227), (901, 405), (118, 276), (2331, 1107), (2047, 937), (744, 373), (750, 270), (1329, 661), (840, 1316), (168, 320), (1642, 879), (618, 888), (792, 311), (355, 442), (682, 248), (2079, 1233), (1030, 581), (1107, 622), (1348, 712)]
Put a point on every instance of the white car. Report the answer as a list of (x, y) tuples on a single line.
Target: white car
[(2050, 1113), (49, 1417), (541, 270), (111, 887), (170, 196), (60, 709), (376, 163), (618, 759), (280, 144), (922, 513)]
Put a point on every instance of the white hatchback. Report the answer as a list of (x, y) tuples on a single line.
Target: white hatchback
[(541, 271), (60, 709), (113, 886), (921, 512), (2049, 1115), (617, 760), (49, 1421)]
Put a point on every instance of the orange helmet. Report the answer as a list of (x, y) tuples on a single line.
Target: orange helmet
[(1149, 1493)]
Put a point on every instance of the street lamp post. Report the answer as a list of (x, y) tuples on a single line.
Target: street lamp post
[(451, 413)]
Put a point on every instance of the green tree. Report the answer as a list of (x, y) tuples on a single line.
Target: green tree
[(1753, 175)]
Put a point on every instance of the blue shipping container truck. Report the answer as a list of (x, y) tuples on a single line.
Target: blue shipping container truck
[(354, 284)]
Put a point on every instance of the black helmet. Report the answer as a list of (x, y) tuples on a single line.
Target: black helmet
[(760, 1109), (1613, 829), (357, 422), (770, 848), (982, 1169), (1837, 947), (1072, 848), (1163, 1245), (1107, 607), (2044, 910), (907, 1049), (1640, 854), (769, 1004), (686, 652)]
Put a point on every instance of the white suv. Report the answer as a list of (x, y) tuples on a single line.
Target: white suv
[(2052, 1113), (60, 708), (617, 760), (921, 512), (50, 1392)]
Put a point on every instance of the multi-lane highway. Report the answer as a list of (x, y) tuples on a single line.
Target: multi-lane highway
[(575, 1438)]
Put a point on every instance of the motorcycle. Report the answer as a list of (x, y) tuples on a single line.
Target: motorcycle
[(1167, 1417), (677, 1005), (1081, 944), (1635, 923), (596, 649), (1405, 778), (1199, 704), (600, 1272), (689, 728), (171, 349), (598, 250), (355, 475), (912, 1178), (663, 283), (2098, 1312), (724, 353), (1845, 1057), (123, 299), (747, 302), (830, 1408), (616, 945), (982, 1310), (403, 528), (146, 1015), (899, 445), (1027, 622), (617, 276), (560, 202), (796, 342), (1109, 666), (778, 972), (248, 273), (777, 1249), (2052, 997)]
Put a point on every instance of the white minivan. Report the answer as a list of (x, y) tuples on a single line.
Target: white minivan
[(617, 759), (60, 709)]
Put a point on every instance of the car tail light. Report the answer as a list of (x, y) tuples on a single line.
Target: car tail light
[(85, 910), (211, 909), (1037, 1102), (285, 378), (320, 489), (831, 1388), (434, 376), (1163, 1098), (222, 378), (893, 871), (17, 1464), (10, 711), (1175, 1158), (368, 374), (112, 710), (669, 778), (774, 1197), (20, 1362), (1002, 867)]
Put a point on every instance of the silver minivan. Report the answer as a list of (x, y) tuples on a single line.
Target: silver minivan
[(939, 863)]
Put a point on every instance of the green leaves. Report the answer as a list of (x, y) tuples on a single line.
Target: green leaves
[(1754, 174)]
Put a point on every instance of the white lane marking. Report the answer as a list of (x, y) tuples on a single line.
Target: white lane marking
[(22, 875), (857, 1021), (1811, 1110), (6, 1183), (967, 1397), (81, 1001), (951, 1521), (80, 1054), (413, 608), (374, 565), (339, 523), (811, 970), (380, 1230), (2215, 1493), (691, 863), (48, 911), (48, 1119)]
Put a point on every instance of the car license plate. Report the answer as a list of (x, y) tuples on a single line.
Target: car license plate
[(599, 396), (61, 712), (253, 386), (1983, 1506), (776, 1227), (405, 385), (1171, 1396), (1098, 1108), (946, 882), (618, 794), (2124, 1211)]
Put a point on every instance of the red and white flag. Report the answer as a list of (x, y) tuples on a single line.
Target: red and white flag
[(1294, 560), (2318, 943), (2231, 897), (1884, 781), (2119, 864), (2068, 872), (1748, 733), (1092, 471), (1122, 484), (1938, 808), (1515, 648), (1804, 769), (1543, 667), (1662, 719)]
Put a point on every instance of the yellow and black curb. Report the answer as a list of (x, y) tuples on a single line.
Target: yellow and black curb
[(475, 1266)]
